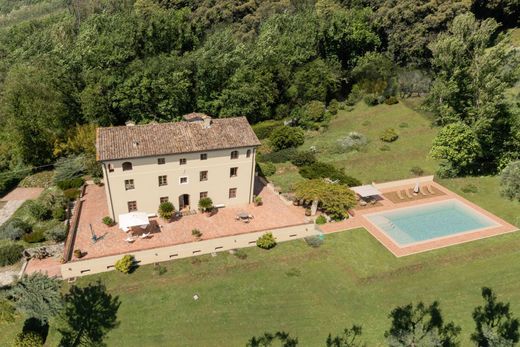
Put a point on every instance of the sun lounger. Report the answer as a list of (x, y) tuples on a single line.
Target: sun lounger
[(144, 236), (423, 192), (400, 195), (430, 190), (408, 194)]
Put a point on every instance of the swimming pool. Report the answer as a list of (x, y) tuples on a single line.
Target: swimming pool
[(410, 225)]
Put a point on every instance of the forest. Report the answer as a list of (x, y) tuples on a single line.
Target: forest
[(67, 66)]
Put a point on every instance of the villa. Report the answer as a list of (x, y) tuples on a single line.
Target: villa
[(181, 162)]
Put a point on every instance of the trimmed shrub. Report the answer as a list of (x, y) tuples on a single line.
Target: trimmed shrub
[(166, 210), (38, 211), (264, 129), (302, 158), (391, 100), (71, 194), (206, 204), (286, 137), (280, 156), (125, 264), (59, 214), (57, 233), (389, 135), (10, 252), (28, 339), (266, 169), (70, 183), (266, 241), (354, 141), (324, 170), (108, 221), (417, 171), (371, 99), (321, 220), (35, 236)]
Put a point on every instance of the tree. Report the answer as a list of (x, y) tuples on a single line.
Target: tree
[(90, 312), (374, 74), (457, 145), (286, 137), (335, 199), (495, 325), (37, 296), (312, 112), (316, 80), (420, 326), (205, 204), (267, 340), (347, 339), (510, 181)]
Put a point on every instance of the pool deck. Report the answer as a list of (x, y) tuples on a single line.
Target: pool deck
[(359, 220)]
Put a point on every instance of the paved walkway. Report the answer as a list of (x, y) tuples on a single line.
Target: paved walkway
[(15, 199)]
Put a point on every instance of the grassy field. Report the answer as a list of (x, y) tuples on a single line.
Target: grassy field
[(372, 163)]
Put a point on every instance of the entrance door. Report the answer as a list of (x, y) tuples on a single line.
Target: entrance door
[(184, 201)]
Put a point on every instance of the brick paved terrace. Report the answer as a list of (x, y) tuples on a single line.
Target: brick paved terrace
[(273, 213)]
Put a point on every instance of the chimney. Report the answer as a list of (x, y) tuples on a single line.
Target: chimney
[(206, 122), (135, 144)]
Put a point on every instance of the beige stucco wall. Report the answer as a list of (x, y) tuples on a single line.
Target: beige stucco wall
[(104, 264), (147, 192)]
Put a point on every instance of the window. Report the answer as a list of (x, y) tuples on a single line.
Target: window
[(182, 161), (248, 153), (183, 180), (132, 206), (110, 168), (163, 181), (203, 156), (161, 161), (234, 155), (233, 172), (203, 175), (203, 195), (129, 184), (232, 193), (127, 166), (163, 199)]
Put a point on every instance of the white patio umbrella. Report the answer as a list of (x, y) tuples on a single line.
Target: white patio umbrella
[(416, 188), (133, 219)]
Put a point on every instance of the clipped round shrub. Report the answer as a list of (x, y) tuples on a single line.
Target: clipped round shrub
[(266, 169), (266, 241), (108, 221), (10, 252), (321, 220), (28, 339), (166, 210), (35, 236), (286, 137), (389, 135), (302, 158), (205, 204), (391, 100), (38, 211), (125, 264), (59, 214), (371, 100), (417, 171), (57, 233)]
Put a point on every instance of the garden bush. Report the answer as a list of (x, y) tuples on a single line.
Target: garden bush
[(391, 100), (205, 204), (371, 99), (417, 171), (266, 169), (302, 158), (333, 107), (258, 200), (59, 214), (389, 135), (280, 156), (35, 236), (108, 221), (354, 141), (166, 210), (38, 211), (325, 170), (14, 229), (70, 183), (266, 241), (264, 129), (10, 252), (28, 339), (321, 220), (56, 233), (510, 181), (286, 137), (71, 194), (312, 112), (125, 264)]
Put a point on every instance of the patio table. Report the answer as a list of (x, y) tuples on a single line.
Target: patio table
[(243, 215)]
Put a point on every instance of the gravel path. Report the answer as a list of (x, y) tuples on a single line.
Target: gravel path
[(9, 208)]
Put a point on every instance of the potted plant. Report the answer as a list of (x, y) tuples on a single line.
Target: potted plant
[(196, 233), (258, 200), (166, 210), (78, 253), (308, 212), (108, 221), (206, 204)]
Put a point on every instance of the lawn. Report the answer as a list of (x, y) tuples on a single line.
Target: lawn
[(307, 292), (372, 163)]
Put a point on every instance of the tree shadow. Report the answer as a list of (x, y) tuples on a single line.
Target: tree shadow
[(90, 313), (37, 326)]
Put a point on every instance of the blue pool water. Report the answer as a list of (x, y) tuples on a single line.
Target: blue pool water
[(422, 223)]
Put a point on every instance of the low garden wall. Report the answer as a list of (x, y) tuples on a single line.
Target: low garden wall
[(150, 256)]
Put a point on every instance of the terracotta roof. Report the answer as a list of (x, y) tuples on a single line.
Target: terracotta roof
[(195, 116), (171, 138)]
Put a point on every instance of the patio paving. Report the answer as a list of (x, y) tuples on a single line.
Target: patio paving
[(274, 213)]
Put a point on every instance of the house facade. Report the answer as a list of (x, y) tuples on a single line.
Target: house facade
[(182, 162)]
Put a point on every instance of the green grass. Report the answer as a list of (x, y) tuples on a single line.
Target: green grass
[(372, 164), (307, 292), (515, 36)]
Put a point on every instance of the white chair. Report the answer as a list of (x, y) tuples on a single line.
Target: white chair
[(129, 239), (125, 229), (144, 236)]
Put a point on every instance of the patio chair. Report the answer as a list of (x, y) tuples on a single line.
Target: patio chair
[(144, 236), (125, 229), (400, 195), (250, 216), (129, 239), (237, 218)]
